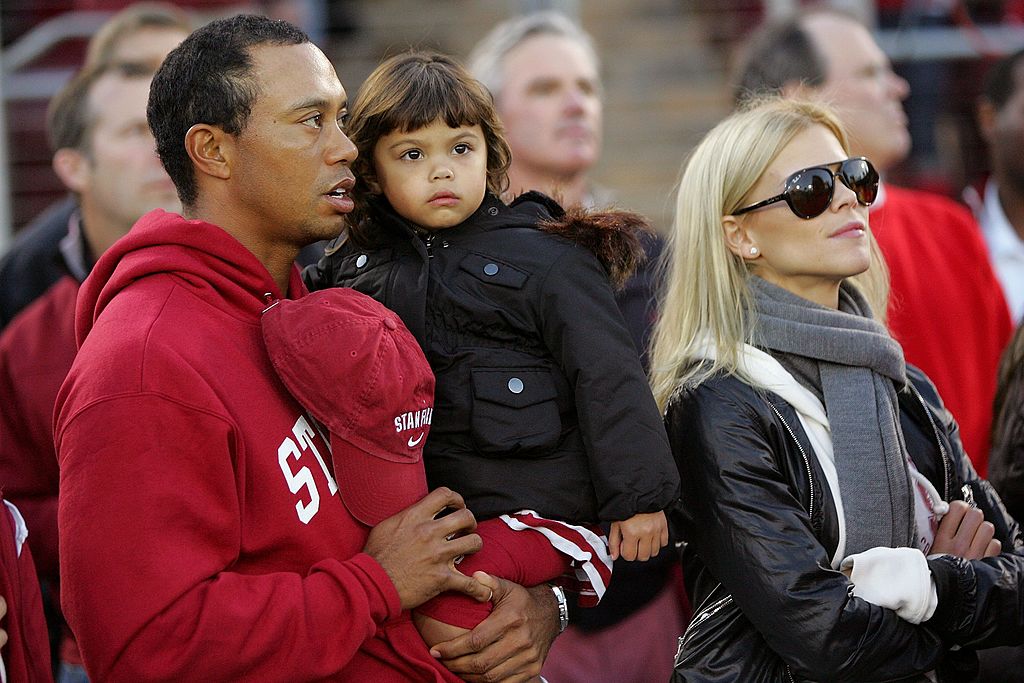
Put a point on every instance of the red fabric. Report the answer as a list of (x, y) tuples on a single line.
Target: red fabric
[(946, 306), (523, 557), (27, 652), (36, 351), (199, 538)]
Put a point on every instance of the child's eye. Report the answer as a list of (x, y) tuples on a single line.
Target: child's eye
[(461, 148), (312, 121), (412, 155)]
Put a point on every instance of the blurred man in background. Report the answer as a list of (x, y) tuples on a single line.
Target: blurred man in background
[(946, 307), (143, 34), (543, 72), (999, 206), (105, 154)]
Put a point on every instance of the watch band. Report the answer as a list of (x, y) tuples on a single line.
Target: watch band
[(563, 608)]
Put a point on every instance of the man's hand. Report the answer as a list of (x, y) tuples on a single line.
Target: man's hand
[(511, 644), (640, 537), (964, 532), (418, 551)]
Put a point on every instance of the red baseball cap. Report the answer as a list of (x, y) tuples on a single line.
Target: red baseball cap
[(353, 365)]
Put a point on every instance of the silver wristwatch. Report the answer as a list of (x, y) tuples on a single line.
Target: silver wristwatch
[(563, 608)]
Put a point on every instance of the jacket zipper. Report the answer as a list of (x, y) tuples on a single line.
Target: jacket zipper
[(938, 440), (428, 241), (807, 463), (702, 615)]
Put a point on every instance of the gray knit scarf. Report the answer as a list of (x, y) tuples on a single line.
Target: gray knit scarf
[(849, 360)]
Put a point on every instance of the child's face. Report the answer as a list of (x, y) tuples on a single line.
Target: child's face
[(435, 176)]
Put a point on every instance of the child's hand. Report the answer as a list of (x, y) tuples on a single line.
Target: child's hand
[(638, 538)]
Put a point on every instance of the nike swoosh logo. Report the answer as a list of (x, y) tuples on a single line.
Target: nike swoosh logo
[(413, 443)]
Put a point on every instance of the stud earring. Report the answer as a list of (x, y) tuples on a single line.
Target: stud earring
[(753, 251)]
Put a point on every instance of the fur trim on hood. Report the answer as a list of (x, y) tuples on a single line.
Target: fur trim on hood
[(616, 237)]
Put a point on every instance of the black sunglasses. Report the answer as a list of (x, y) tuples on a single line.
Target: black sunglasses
[(809, 191)]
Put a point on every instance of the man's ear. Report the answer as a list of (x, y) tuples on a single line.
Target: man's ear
[(738, 240), (211, 150), (73, 169), (987, 115)]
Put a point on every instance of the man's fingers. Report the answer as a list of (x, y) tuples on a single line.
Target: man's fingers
[(463, 545), (457, 523), (437, 500), (470, 586), (995, 547), (458, 651)]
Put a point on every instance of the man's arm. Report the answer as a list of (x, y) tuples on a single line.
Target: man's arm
[(511, 644), (156, 584)]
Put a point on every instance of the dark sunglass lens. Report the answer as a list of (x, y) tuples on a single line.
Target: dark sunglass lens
[(810, 192), (861, 177)]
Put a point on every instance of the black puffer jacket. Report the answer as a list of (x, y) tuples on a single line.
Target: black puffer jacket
[(541, 401), (761, 526)]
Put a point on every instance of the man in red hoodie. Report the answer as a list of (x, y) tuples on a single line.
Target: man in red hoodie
[(202, 534)]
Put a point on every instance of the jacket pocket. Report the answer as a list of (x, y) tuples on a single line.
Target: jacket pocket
[(358, 263), (515, 411), (491, 271)]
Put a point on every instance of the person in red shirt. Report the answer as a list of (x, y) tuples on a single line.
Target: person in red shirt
[(946, 307), (24, 649), (203, 535)]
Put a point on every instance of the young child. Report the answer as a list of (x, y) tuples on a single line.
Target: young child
[(543, 420)]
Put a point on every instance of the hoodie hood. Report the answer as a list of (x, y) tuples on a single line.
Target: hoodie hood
[(204, 256)]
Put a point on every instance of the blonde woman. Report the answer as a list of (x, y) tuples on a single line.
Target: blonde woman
[(821, 476)]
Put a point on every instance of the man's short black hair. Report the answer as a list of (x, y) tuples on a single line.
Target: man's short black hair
[(999, 82), (208, 79), (778, 54)]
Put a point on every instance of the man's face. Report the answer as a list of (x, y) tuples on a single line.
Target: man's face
[(862, 88), (290, 171), (121, 176), (1003, 130), (550, 105)]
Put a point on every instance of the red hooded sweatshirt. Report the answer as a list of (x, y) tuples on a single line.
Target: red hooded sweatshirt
[(199, 538)]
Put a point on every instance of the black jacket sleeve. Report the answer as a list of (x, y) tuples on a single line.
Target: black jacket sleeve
[(629, 456), (979, 600), (746, 524)]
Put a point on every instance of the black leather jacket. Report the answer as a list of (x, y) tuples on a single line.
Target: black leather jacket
[(761, 526), (541, 401)]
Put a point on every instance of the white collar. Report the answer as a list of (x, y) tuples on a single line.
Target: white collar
[(999, 234)]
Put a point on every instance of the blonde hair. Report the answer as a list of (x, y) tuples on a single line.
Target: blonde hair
[(706, 299)]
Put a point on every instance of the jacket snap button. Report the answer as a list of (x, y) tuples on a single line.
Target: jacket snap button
[(361, 261), (491, 269), (515, 385), (493, 211)]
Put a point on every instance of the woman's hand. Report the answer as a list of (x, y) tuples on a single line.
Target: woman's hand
[(964, 532)]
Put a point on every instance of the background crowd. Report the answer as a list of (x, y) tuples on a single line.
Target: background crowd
[(594, 119)]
